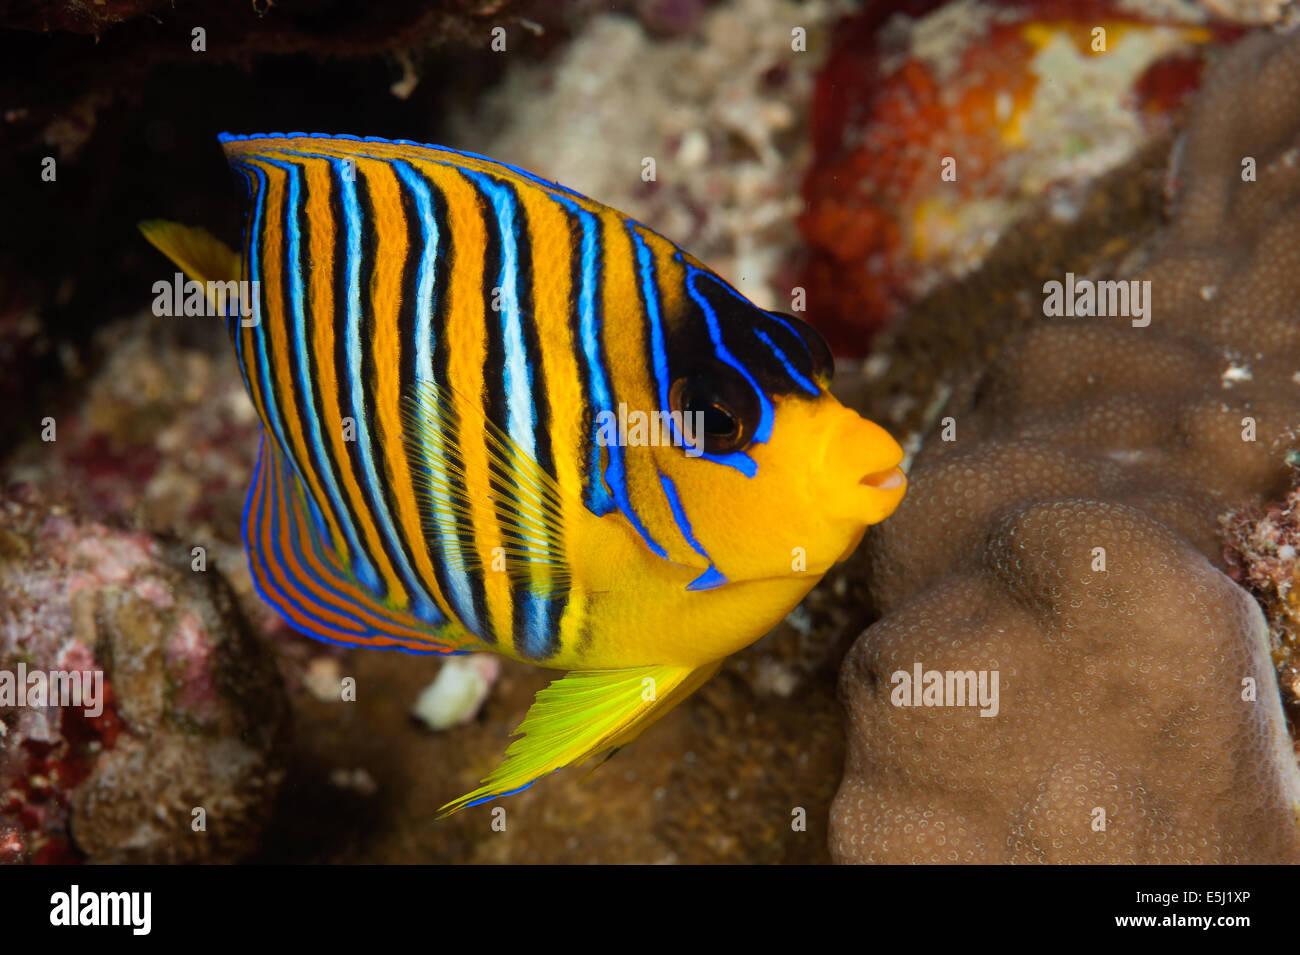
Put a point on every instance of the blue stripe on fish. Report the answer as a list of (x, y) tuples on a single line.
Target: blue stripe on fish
[(345, 177), (521, 416), (650, 302), (793, 372), (595, 495), (679, 515), (448, 566)]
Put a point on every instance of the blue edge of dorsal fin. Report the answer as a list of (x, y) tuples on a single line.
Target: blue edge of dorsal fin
[(532, 177)]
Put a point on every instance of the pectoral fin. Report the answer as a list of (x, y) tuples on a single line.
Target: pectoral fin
[(581, 714), (535, 514)]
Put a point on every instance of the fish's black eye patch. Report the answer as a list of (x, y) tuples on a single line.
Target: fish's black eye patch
[(823, 362), (782, 354)]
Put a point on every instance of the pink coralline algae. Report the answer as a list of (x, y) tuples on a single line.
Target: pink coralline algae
[(173, 762)]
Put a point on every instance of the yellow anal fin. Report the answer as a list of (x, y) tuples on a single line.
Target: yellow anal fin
[(199, 254), (581, 714)]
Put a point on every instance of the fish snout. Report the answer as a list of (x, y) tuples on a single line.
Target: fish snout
[(860, 464)]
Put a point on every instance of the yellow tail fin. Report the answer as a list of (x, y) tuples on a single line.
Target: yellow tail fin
[(199, 253), (581, 714)]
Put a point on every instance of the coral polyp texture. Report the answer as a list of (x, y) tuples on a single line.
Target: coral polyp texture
[(1061, 532)]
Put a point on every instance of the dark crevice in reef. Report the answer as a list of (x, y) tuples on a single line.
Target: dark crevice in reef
[(115, 94)]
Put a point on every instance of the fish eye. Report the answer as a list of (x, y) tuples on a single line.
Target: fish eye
[(723, 404)]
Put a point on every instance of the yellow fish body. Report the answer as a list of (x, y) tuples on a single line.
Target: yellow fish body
[(499, 416)]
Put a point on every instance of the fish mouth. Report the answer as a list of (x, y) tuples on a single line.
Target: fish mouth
[(887, 480)]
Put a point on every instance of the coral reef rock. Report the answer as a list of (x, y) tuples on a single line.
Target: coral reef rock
[(171, 759), (1061, 537), (1262, 549), (939, 126), (698, 136)]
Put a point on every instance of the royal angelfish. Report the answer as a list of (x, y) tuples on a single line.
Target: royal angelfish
[(498, 416)]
